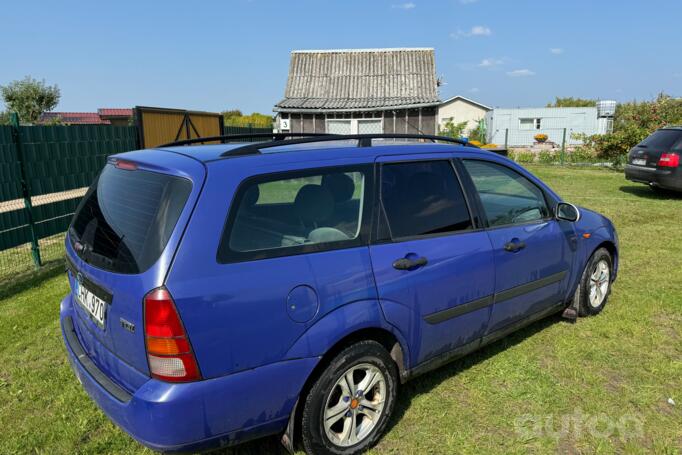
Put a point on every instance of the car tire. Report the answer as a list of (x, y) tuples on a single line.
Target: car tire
[(336, 413), (595, 283)]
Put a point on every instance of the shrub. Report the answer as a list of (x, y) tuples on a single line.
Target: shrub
[(632, 123), (547, 157), (522, 156), (478, 133), (451, 129)]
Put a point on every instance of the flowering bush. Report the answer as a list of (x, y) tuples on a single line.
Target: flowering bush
[(541, 137)]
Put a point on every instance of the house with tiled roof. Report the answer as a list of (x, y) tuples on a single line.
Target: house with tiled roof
[(104, 116), (116, 116), (360, 91)]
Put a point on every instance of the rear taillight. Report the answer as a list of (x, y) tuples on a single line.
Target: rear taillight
[(168, 350), (125, 165), (669, 160)]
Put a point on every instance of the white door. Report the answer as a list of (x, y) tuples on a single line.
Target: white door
[(339, 127), (369, 126), (355, 126)]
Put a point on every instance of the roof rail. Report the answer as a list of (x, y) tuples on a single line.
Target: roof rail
[(364, 140), (232, 137)]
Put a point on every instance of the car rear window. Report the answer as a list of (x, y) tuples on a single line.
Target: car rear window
[(664, 140), (127, 217)]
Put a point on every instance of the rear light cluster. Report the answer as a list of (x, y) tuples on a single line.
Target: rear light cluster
[(669, 160), (125, 165), (168, 350)]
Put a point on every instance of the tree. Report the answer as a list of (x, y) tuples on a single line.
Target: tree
[(30, 98), (231, 114), (451, 129), (4, 118), (569, 101), (235, 117)]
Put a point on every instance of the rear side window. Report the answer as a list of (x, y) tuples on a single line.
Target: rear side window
[(664, 140), (423, 198), (507, 196), (127, 217), (296, 213)]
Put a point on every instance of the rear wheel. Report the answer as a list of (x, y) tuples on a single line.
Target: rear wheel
[(348, 407), (595, 285)]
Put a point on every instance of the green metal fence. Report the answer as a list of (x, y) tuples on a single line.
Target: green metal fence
[(44, 172), (233, 129)]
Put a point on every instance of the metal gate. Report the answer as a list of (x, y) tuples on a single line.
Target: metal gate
[(158, 126)]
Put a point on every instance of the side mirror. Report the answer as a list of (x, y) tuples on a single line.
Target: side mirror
[(567, 212)]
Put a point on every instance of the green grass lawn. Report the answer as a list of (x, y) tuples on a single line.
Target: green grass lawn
[(511, 397)]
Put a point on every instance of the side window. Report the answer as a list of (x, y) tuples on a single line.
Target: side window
[(507, 196), (422, 198), (277, 216)]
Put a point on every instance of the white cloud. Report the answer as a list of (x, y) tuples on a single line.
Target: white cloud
[(476, 30), (405, 6), (521, 73), (490, 63), (556, 50), (480, 30)]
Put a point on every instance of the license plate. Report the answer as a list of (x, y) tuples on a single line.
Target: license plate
[(96, 307), (639, 162)]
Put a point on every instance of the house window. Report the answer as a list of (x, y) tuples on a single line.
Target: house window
[(530, 124), (355, 126)]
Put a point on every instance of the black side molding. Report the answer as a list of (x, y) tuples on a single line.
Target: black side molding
[(453, 312), (444, 315), (110, 386), (529, 287)]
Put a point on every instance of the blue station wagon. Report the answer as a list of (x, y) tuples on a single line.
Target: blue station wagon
[(225, 292)]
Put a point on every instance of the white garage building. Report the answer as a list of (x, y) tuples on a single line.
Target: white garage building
[(516, 127)]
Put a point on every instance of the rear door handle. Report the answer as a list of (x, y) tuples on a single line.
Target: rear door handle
[(409, 264), (514, 246)]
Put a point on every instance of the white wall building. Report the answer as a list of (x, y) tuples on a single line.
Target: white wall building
[(460, 109), (516, 127)]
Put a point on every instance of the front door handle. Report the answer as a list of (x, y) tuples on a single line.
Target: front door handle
[(409, 264), (514, 246)]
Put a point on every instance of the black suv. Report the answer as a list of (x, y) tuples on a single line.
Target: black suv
[(656, 160)]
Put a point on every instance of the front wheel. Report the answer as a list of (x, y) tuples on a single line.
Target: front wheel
[(595, 285), (348, 407)]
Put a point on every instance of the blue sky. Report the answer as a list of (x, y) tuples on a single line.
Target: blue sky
[(215, 55)]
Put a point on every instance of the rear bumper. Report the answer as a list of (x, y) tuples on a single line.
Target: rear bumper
[(192, 416), (670, 179)]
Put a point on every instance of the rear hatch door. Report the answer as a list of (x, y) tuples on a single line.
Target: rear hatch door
[(649, 151), (120, 245)]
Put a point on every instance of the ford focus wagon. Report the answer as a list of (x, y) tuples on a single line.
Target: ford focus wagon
[(225, 292)]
